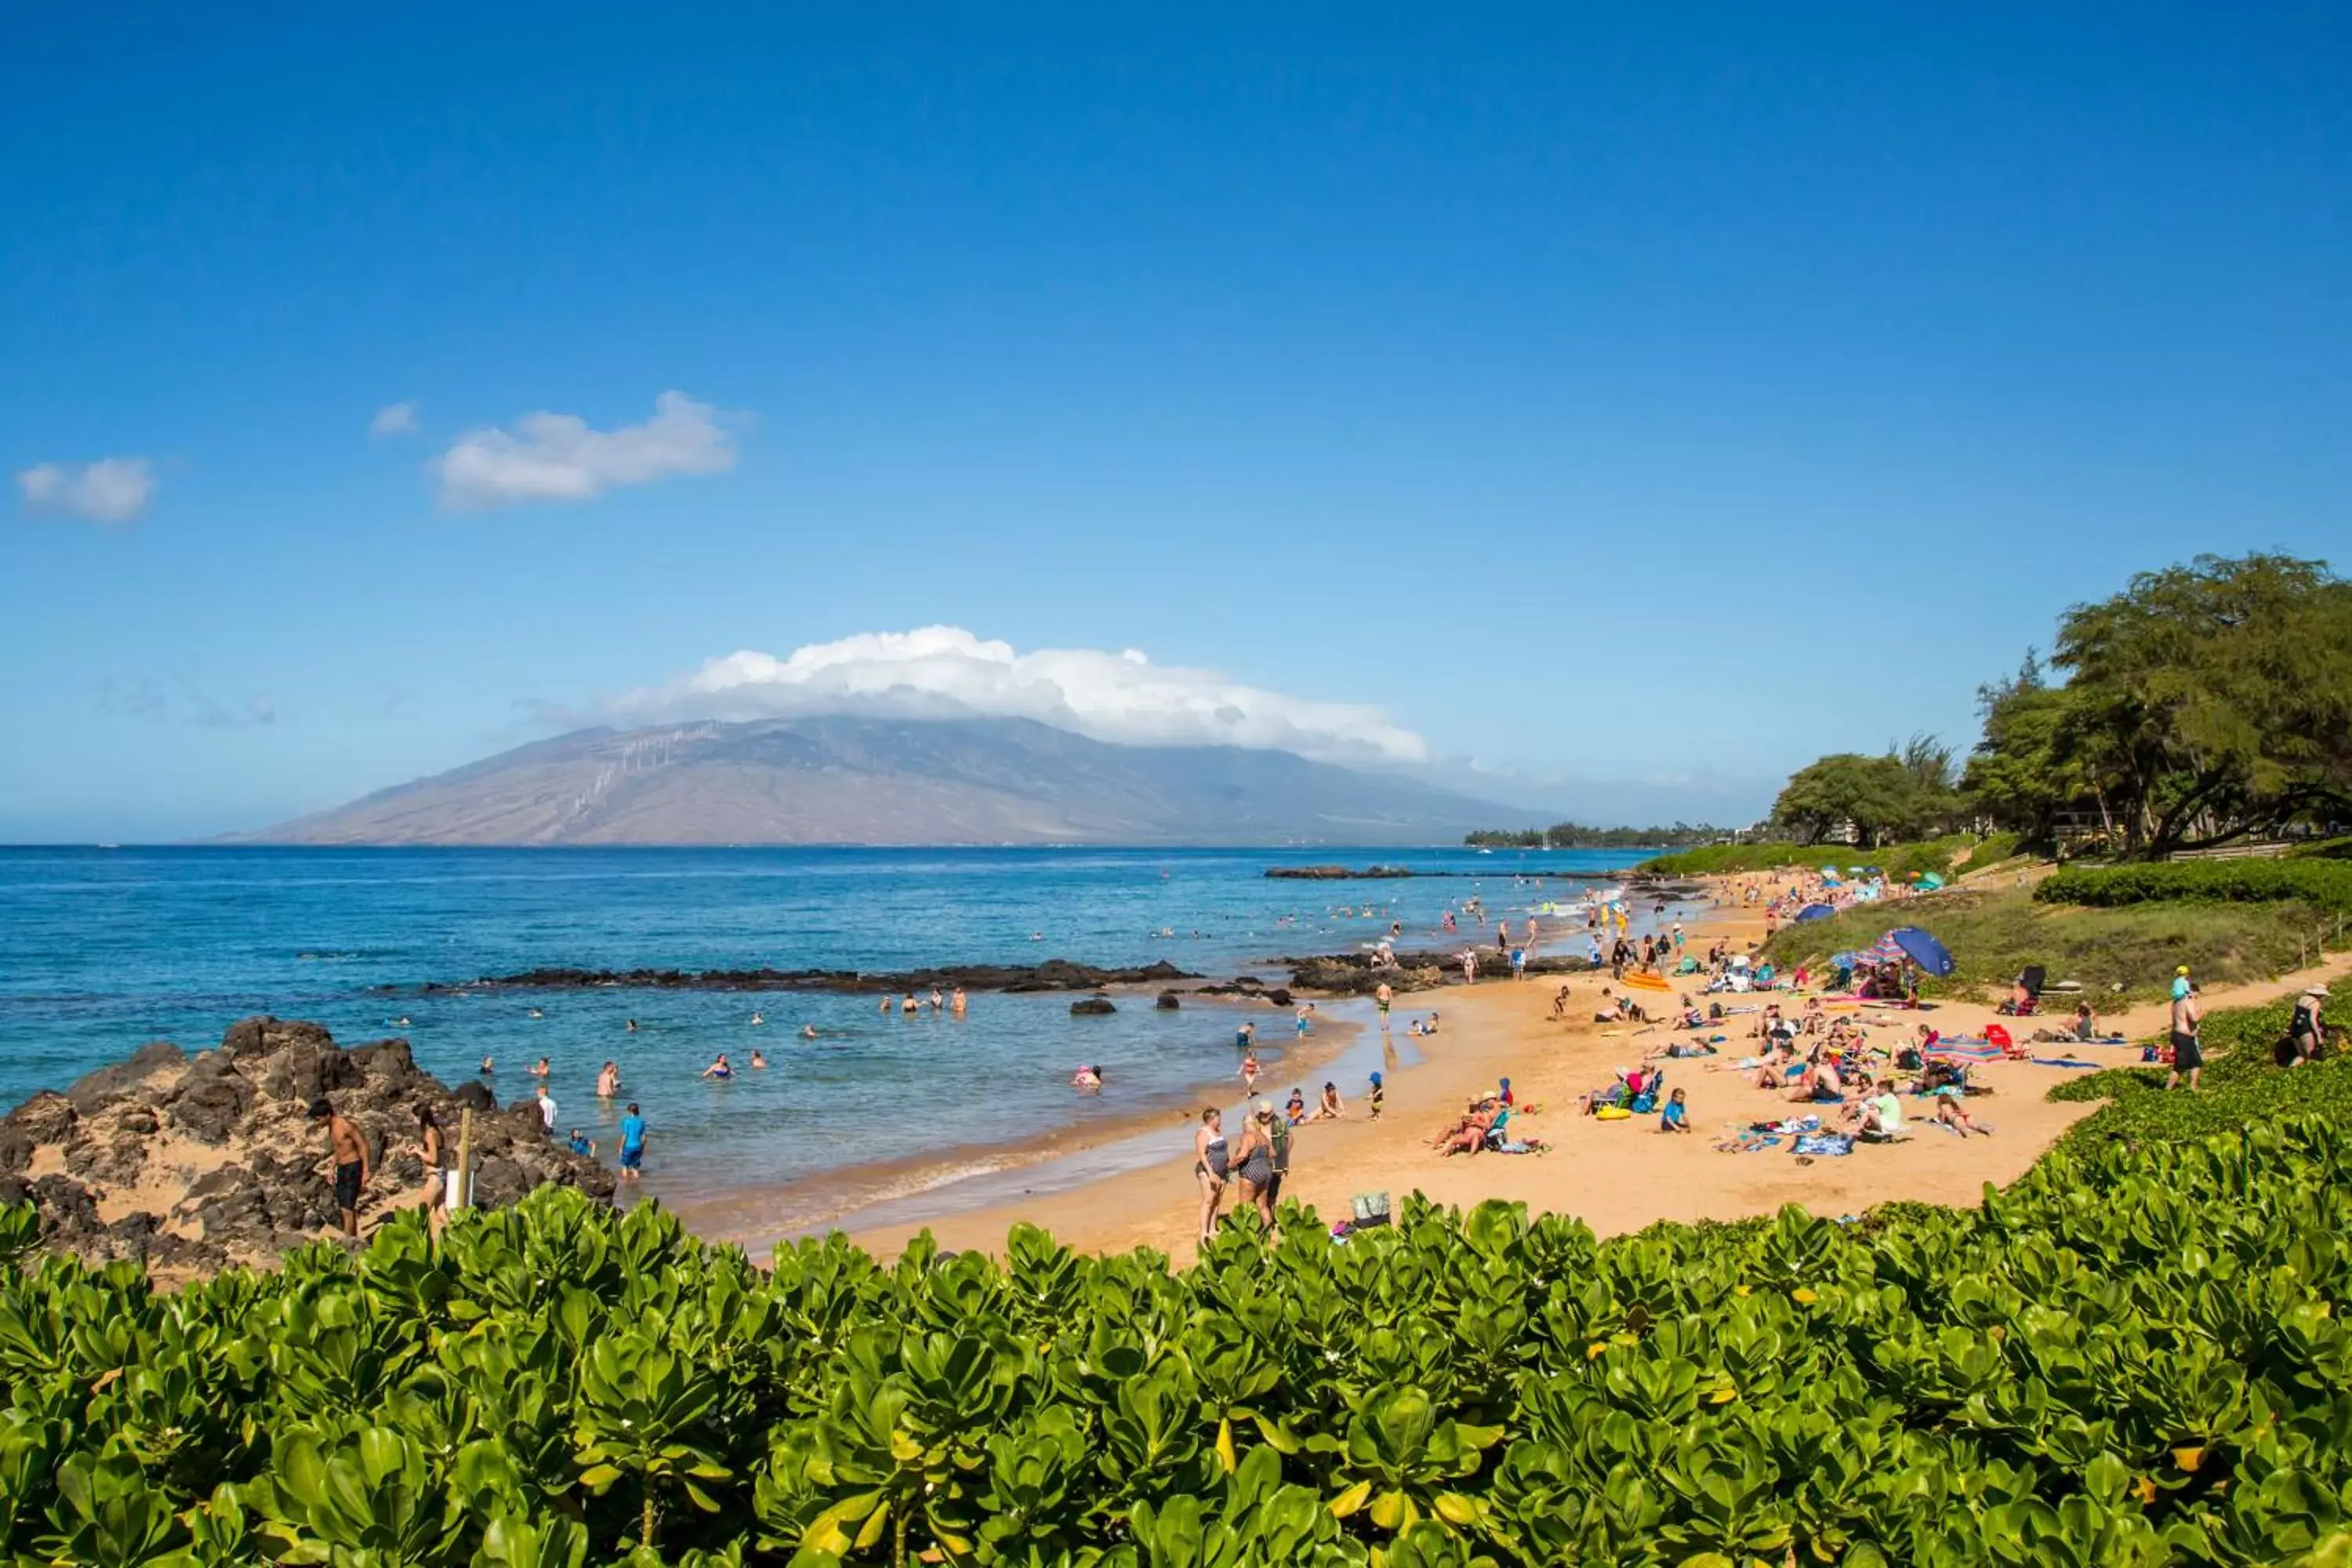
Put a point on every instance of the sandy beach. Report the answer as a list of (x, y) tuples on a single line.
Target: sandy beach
[(1616, 1175)]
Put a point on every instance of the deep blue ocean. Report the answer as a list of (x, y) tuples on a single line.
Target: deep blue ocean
[(107, 949)]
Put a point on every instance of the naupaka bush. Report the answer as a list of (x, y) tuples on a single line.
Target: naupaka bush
[(2134, 1356)]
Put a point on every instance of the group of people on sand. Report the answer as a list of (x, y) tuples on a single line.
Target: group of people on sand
[(1252, 1166)]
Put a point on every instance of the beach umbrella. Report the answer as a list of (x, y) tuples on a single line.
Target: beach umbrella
[(1930, 882), (1815, 912), (1642, 980), (1922, 949), (1885, 950), (1846, 959)]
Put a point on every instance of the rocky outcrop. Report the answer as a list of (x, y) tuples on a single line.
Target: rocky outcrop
[(1091, 1006), (1347, 873), (1054, 975), (190, 1164)]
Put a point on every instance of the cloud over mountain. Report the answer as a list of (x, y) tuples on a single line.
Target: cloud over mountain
[(557, 456), (942, 671)]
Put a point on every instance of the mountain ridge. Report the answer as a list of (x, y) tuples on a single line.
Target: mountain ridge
[(842, 779)]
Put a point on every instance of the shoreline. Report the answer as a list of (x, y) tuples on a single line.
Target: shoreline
[(962, 1177), (1615, 1177)]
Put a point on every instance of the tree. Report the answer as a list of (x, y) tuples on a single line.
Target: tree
[(2210, 701), (1877, 795), (2015, 774)]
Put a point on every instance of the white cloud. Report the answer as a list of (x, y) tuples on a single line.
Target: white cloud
[(944, 671), (112, 489), (394, 419), (556, 456)]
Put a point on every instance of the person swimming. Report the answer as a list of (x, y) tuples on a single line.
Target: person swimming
[(631, 1025), (1088, 1080), (720, 1069), (808, 1031), (608, 1080), (758, 1019), (488, 1067), (541, 1068), (758, 1060), (536, 1012)]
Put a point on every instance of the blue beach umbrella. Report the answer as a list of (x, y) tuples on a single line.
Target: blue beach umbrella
[(1815, 912), (1922, 949)]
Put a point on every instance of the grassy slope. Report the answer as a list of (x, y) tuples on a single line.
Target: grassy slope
[(1994, 934)]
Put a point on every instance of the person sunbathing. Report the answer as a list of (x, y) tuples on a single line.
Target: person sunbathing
[(1954, 1114), (1476, 1119), (1820, 1085), (1473, 1135)]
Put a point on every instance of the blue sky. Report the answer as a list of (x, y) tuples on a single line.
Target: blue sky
[(1642, 400)]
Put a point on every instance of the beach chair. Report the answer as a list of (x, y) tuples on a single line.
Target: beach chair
[(1498, 1134), (1646, 1102)]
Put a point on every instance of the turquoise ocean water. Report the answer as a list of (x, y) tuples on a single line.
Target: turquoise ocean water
[(106, 949)]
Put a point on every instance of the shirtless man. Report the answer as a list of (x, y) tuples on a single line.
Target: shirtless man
[(350, 1152), (1381, 997), (2187, 1050)]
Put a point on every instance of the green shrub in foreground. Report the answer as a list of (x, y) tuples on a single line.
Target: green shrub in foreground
[(2134, 1356)]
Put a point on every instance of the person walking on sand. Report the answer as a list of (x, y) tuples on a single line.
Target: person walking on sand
[(348, 1148), (1375, 1094), (1209, 1166), (1249, 1072), (2187, 1050), (632, 1143)]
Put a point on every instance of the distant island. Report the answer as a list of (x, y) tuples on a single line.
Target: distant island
[(1577, 835)]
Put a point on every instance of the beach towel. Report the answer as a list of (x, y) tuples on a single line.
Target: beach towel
[(1825, 1144), (2062, 1062)]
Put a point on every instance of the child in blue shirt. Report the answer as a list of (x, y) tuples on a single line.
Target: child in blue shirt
[(1671, 1119)]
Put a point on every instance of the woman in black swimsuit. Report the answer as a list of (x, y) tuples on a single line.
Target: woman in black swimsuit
[(1208, 1166)]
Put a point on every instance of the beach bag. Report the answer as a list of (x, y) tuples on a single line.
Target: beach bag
[(1372, 1208)]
